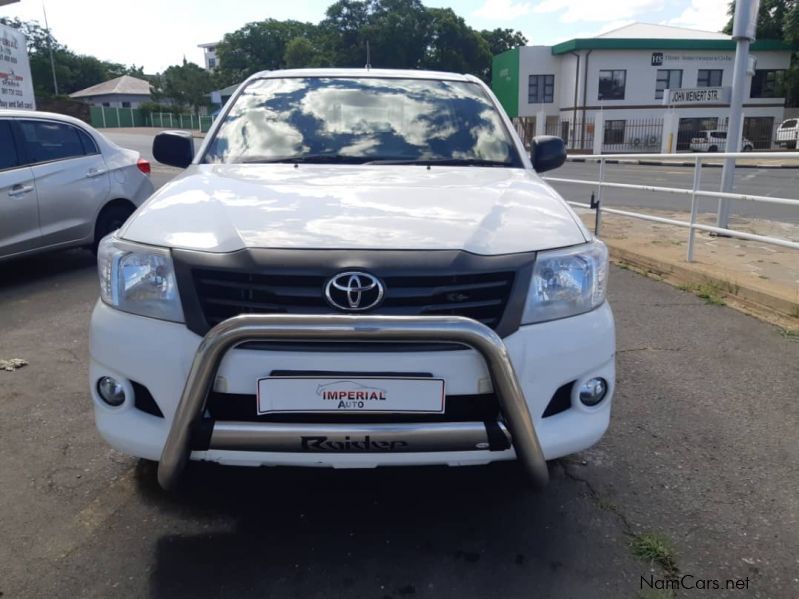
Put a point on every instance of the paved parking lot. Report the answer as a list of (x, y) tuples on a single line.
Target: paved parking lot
[(702, 452)]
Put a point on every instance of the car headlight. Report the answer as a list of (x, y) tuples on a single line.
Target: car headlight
[(139, 279), (567, 282)]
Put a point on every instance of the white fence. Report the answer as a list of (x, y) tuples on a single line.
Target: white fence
[(694, 192)]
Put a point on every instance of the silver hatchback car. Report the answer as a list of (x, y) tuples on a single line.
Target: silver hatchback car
[(62, 183)]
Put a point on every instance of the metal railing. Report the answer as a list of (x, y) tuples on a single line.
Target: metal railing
[(694, 192)]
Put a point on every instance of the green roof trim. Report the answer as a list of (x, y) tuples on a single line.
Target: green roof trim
[(601, 43)]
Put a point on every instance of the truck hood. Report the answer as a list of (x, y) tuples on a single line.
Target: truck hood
[(223, 208)]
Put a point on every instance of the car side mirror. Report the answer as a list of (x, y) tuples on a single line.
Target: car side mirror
[(547, 152), (175, 148)]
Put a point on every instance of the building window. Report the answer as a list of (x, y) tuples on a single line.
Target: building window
[(107, 104), (612, 84), (125, 104), (767, 84), (667, 79), (540, 89), (614, 132), (211, 62), (709, 78)]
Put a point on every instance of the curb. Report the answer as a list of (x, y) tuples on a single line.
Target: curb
[(756, 301), (690, 163)]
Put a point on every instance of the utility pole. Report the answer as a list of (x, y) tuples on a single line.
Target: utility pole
[(50, 47), (743, 32)]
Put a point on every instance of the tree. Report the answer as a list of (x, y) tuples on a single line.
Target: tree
[(398, 33), (258, 46), (186, 84), (771, 18), (778, 19), (502, 40), (342, 33), (454, 46), (37, 37), (300, 52)]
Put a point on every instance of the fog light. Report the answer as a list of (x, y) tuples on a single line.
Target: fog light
[(593, 391), (111, 391)]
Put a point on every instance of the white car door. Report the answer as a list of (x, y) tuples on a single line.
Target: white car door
[(19, 213), (71, 177)]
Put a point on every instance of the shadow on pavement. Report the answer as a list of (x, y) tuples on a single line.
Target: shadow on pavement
[(19, 272), (429, 532)]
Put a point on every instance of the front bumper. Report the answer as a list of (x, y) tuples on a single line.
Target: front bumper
[(160, 355)]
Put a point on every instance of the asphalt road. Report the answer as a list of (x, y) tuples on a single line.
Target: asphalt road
[(702, 451), (768, 182), (760, 181), (143, 144)]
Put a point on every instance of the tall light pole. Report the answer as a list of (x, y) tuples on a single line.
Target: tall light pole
[(743, 32), (50, 47)]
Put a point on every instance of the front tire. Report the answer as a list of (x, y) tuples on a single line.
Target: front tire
[(747, 148), (111, 218), (712, 149)]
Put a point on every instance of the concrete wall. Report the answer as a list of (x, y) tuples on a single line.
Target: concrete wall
[(538, 60), (116, 100)]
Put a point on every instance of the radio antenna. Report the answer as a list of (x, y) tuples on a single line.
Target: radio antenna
[(368, 56)]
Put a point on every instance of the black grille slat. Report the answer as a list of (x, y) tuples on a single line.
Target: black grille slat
[(425, 292), (223, 294)]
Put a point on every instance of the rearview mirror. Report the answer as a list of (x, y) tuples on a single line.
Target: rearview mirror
[(547, 152), (175, 148)]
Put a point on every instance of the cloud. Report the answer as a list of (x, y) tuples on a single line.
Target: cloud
[(574, 11), (707, 15), (501, 10)]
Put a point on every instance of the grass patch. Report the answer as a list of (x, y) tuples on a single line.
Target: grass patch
[(606, 504), (790, 335), (712, 294), (655, 547)]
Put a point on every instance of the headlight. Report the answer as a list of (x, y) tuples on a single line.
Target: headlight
[(567, 282), (139, 279)]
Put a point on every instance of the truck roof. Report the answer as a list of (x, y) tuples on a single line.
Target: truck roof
[(363, 72)]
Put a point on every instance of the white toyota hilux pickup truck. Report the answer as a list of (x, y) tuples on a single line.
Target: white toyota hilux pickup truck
[(357, 268)]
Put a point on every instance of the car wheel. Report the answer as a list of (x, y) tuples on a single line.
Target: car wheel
[(111, 218), (712, 149), (791, 145), (747, 148)]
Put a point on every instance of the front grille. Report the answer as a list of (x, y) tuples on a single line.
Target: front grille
[(481, 296)]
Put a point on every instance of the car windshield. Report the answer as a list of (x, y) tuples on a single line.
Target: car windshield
[(363, 120), (788, 124)]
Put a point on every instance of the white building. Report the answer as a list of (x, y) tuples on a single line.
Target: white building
[(607, 93), (121, 92), (209, 55)]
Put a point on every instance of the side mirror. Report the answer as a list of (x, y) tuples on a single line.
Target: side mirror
[(547, 152), (175, 148)]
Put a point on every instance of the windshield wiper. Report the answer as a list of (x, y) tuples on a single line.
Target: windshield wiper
[(443, 162), (304, 159)]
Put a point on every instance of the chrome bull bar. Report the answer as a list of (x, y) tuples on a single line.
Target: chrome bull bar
[(319, 328)]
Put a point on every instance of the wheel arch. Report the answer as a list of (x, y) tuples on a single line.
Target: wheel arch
[(110, 204)]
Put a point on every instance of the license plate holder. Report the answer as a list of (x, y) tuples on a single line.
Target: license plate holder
[(350, 394)]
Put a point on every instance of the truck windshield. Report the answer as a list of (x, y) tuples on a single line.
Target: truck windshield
[(363, 120)]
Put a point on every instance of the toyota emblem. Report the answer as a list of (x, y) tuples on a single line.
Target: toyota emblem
[(354, 291)]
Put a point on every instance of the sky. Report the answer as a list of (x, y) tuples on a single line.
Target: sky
[(157, 33)]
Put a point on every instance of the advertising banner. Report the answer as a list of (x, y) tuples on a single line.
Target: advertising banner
[(16, 85)]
